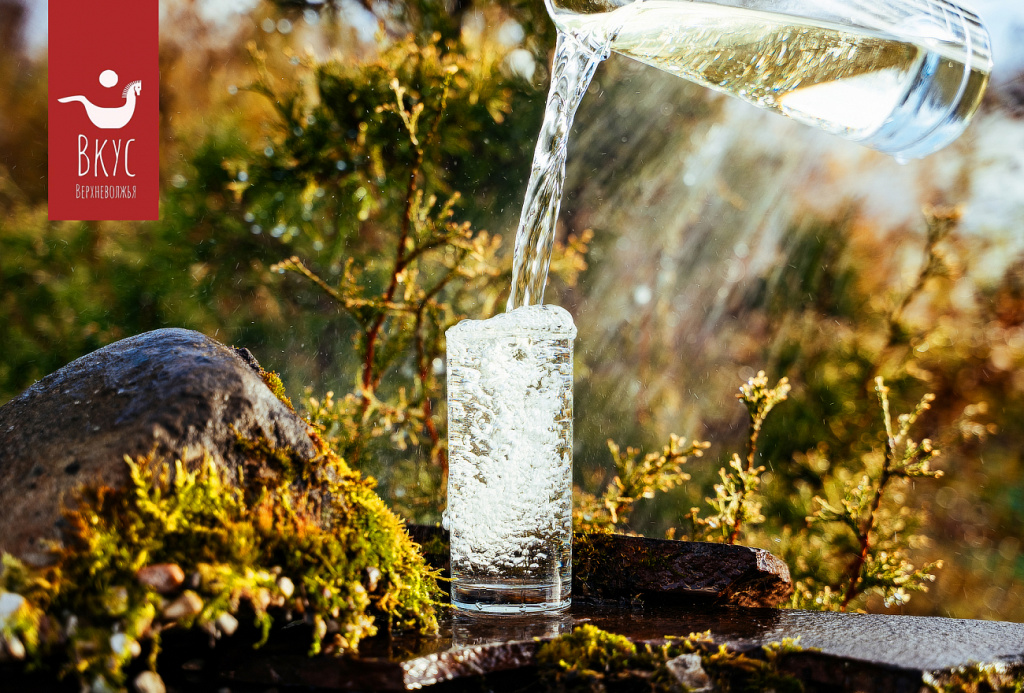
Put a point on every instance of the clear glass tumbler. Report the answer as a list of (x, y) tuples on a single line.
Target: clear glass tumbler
[(900, 76), (510, 460)]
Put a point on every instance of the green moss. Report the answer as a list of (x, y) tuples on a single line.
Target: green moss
[(753, 672), (280, 535), (978, 678), (592, 553), (273, 381), (591, 659), (588, 649), (585, 560)]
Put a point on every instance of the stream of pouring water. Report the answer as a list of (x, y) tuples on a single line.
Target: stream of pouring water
[(571, 72)]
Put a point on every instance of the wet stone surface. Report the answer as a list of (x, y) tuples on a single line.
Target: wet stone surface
[(841, 652)]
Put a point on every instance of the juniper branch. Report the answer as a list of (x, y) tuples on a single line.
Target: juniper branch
[(759, 400)]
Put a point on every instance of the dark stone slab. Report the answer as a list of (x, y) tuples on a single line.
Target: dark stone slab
[(842, 652), (168, 391), (618, 567)]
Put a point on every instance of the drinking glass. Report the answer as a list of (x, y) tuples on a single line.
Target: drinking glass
[(510, 460)]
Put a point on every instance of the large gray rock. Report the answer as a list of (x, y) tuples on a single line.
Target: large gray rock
[(173, 392)]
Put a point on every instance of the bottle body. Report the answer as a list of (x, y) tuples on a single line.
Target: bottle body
[(901, 77)]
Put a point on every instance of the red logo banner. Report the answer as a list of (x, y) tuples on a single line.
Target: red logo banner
[(104, 116)]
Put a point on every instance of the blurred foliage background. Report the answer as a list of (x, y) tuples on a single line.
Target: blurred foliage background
[(335, 179)]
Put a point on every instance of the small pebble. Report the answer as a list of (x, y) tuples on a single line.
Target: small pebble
[(687, 670), (9, 603), (227, 623), (187, 605), (121, 644), (14, 647), (149, 682), (162, 577), (286, 586), (373, 575)]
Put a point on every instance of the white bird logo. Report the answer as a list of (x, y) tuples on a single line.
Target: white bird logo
[(110, 118)]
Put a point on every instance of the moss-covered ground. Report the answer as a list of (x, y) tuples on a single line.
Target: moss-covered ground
[(279, 539), (593, 660)]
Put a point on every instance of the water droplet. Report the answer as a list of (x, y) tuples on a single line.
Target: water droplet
[(642, 295)]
